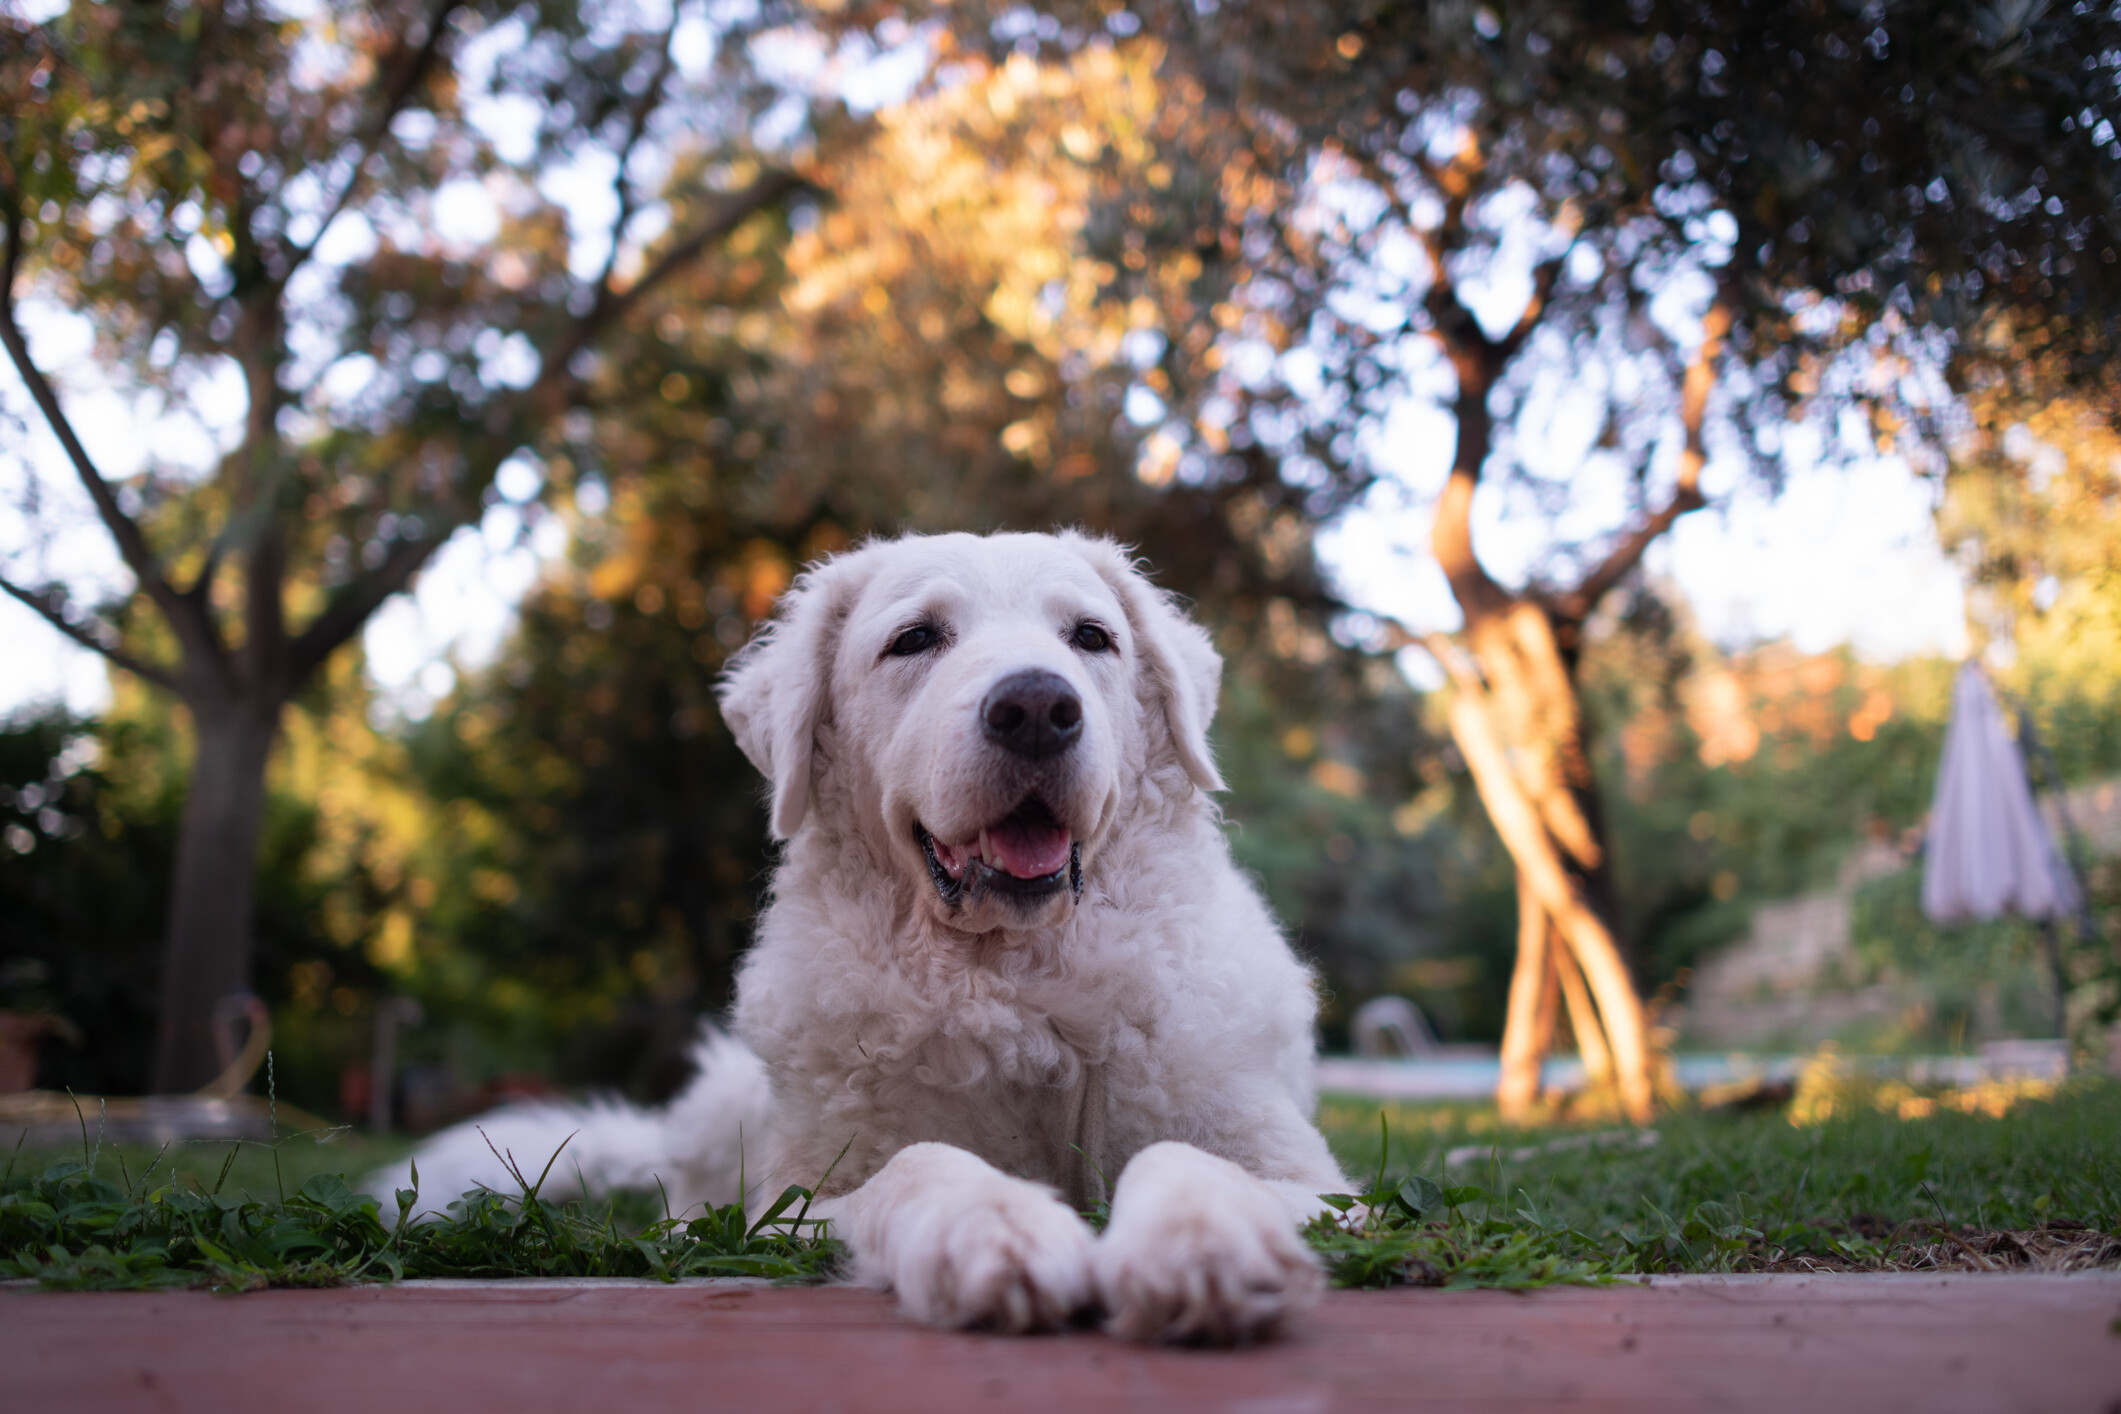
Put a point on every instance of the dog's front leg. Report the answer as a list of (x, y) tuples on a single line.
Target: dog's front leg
[(1200, 1250), (964, 1244)]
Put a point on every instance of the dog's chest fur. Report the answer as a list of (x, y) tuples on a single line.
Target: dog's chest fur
[(1021, 1071), (1056, 1058)]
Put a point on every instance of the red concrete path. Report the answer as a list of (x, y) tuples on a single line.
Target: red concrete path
[(1977, 1343)]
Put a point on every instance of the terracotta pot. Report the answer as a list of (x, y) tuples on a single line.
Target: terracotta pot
[(19, 1033)]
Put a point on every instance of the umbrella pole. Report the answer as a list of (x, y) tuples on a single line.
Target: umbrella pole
[(2072, 855), (2073, 850), (2052, 946)]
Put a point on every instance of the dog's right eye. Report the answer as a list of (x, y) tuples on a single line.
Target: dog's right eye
[(913, 642), (1091, 638)]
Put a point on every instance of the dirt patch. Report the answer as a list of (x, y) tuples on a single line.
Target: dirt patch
[(1869, 1244)]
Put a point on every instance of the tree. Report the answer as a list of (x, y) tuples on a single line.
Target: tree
[(180, 176), (1700, 215)]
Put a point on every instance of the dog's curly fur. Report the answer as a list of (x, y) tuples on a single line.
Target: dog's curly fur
[(986, 1059)]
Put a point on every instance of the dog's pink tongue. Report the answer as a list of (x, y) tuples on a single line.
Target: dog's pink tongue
[(1028, 851)]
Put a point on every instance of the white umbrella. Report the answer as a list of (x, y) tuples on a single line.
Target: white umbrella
[(1989, 850)]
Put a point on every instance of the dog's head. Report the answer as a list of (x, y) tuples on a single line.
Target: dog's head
[(979, 704)]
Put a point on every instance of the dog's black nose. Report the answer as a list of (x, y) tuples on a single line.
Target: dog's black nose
[(1032, 713)]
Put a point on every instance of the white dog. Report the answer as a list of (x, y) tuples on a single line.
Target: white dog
[(1007, 953)]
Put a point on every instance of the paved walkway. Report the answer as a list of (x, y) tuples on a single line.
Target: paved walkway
[(1928, 1343)]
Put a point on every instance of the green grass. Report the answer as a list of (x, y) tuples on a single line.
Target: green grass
[(117, 1218), (1717, 1193)]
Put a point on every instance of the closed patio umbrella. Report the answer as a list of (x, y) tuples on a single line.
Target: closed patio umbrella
[(1989, 850)]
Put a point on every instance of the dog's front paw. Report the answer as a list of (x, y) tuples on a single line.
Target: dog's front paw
[(1200, 1250), (1013, 1259), (967, 1245)]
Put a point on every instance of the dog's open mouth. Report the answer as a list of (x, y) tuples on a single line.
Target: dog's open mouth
[(1028, 853)]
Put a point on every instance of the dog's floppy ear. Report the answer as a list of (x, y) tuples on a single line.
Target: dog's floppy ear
[(776, 688), (1176, 657)]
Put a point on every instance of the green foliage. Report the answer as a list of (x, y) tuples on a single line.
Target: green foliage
[(1931, 164), (1414, 1231), (1310, 814), (252, 192), (583, 867), (88, 824), (1698, 846), (1999, 965)]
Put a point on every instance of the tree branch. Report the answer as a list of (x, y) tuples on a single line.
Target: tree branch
[(47, 610), (1529, 1013), (1543, 277), (265, 617), (351, 607), (1580, 603), (413, 68), (202, 584), (611, 304), (1454, 179), (132, 544), (733, 213), (1454, 324), (636, 126), (1451, 180), (1546, 880)]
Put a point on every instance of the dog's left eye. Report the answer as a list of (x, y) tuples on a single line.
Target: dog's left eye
[(1090, 638), (914, 641)]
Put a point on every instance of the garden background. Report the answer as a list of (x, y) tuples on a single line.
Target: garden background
[(1080, 265)]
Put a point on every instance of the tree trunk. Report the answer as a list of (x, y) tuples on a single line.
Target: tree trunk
[(1535, 998), (1520, 726), (207, 955), (1519, 723), (1517, 717), (1583, 1022), (1504, 772)]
